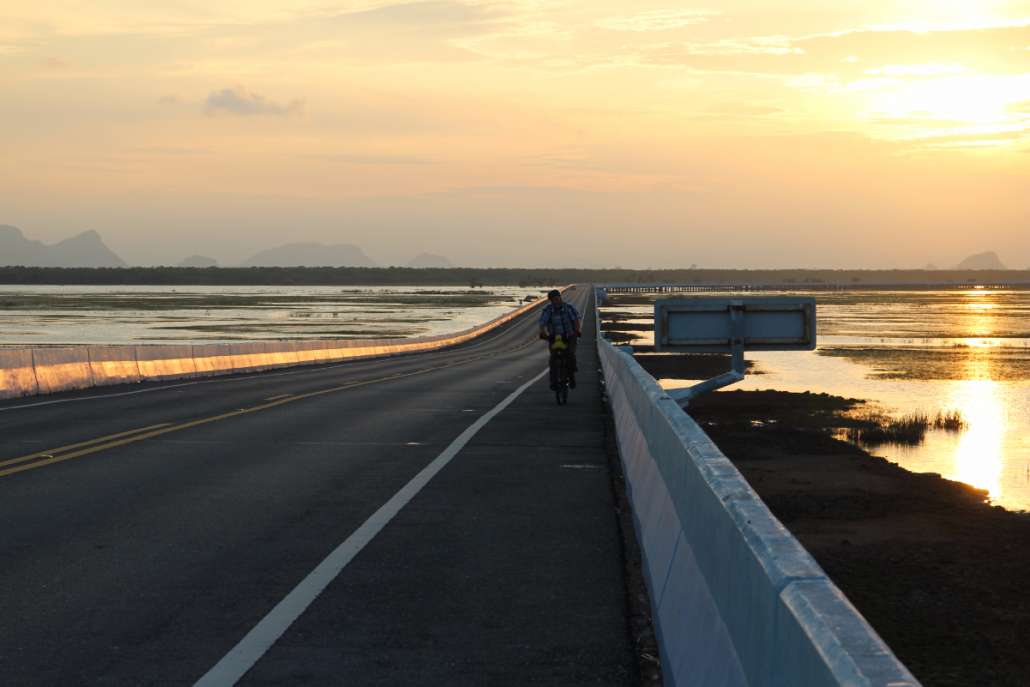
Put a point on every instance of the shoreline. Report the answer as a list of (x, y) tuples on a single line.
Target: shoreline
[(938, 571)]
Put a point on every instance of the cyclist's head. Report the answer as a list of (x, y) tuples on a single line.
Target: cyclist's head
[(554, 295)]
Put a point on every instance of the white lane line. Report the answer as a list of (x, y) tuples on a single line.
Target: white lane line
[(267, 632)]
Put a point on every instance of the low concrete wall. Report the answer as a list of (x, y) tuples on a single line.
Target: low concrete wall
[(113, 365), (17, 374), (30, 371), (210, 360), (737, 599), (62, 369), (166, 362), (249, 357)]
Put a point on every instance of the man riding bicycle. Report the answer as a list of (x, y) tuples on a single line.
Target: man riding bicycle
[(561, 319)]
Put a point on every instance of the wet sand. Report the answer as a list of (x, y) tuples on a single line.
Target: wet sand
[(942, 575)]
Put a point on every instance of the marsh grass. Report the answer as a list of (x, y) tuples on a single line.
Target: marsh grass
[(874, 429)]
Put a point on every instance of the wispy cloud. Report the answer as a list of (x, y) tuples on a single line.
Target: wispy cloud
[(419, 14), (657, 20), (55, 63), (855, 53), (239, 101), (359, 159)]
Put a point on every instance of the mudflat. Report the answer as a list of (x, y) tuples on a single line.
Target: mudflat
[(939, 572)]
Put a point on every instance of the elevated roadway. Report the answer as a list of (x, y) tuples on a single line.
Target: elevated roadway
[(425, 520)]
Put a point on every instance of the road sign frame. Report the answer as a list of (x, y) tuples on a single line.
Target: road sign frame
[(735, 324)]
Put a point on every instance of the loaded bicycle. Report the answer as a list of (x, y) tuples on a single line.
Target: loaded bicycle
[(561, 326)]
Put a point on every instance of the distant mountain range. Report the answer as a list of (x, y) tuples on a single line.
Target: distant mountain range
[(429, 260), (88, 250), (198, 261), (982, 261), (311, 255), (85, 250)]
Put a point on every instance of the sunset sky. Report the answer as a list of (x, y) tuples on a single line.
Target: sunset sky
[(742, 133)]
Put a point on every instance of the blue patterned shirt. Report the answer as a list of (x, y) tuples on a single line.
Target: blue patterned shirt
[(560, 320)]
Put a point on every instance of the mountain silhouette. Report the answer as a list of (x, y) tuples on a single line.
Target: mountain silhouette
[(84, 250), (198, 261), (311, 255), (982, 261), (429, 260)]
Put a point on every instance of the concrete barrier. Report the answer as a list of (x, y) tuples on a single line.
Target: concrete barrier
[(62, 369), (166, 362), (249, 357), (17, 374), (281, 354), (210, 360), (113, 365), (311, 352), (737, 599), (81, 367)]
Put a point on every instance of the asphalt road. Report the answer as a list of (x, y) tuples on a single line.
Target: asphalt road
[(145, 531)]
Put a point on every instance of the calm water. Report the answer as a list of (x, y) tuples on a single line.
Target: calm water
[(921, 352), (190, 314)]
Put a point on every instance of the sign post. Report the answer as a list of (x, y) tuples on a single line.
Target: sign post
[(732, 325)]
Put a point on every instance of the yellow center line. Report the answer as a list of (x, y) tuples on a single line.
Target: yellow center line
[(50, 457), (276, 398), (52, 452)]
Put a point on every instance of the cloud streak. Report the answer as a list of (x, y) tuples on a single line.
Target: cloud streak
[(239, 101), (657, 20)]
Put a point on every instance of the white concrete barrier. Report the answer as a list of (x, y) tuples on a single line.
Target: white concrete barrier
[(737, 599), (249, 357), (17, 374), (311, 352), (113, 365), (281, 354), (166, 362), (210, 360), (62, 369)]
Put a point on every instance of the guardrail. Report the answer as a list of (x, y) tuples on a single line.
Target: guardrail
[(737, 600), (46, 370)]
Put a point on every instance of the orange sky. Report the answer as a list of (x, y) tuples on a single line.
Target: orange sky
[(524, 132)]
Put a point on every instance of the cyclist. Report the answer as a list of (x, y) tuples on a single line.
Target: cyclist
[(561, 319)]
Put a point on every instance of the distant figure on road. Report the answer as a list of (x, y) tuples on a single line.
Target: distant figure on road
[(561, 319)]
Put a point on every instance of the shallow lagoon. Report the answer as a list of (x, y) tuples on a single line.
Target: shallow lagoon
[(909, 352), (192, 314)]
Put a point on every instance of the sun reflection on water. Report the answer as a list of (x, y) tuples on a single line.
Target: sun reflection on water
[(981, 315), (979, 458)]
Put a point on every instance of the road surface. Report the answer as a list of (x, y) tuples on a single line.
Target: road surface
[(425, 520)]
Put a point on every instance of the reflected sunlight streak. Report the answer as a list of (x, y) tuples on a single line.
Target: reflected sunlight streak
[(979, 459)]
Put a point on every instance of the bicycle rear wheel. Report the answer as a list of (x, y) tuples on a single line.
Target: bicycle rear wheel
[(561, 391)]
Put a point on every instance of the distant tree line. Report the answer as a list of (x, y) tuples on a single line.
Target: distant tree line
[(474, 277)]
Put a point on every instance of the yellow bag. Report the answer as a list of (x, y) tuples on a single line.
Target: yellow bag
[(559, 344)]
